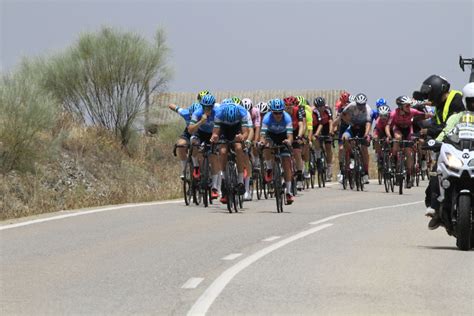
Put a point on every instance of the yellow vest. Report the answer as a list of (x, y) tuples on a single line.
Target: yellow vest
[(447, 105)]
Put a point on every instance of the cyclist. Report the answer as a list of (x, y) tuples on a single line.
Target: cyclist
[(375, 112), (339, 126), (231, 124), (357, 115), (379, 130), (201, 94), (401, 125), (277, 128), (323, 125), (201, 126), (308, 135), (263, 108), (185, 137), (297, 115), (254, 135)]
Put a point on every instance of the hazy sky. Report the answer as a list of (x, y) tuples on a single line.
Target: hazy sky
[(383, 48)]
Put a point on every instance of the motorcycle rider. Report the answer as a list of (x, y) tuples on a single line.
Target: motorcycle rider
[(447, 102)]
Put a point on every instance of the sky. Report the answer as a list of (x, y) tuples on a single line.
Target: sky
[(382, 48)]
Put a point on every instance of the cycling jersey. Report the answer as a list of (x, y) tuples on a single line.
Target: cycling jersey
[(255, 115), (185, 114), (270, 125), (309, 119), (240, 115), (321, 116), (208, 125), (403, 120), (297, 115), (379, 129), (358, 115), (374, 115)]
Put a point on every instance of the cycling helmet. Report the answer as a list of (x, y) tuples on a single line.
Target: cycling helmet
[(230, 112), (344, 96), (208, 100), (247, 103), (263, 107), (319, 101), (380, 102), (434, 87), (194, 107), (276, 105), (402, 100), (291, 101), (384, 110), (237, 100), (201, 94), (301, 100), (361, 99), (227, 101), (468, 96), (352, 98)]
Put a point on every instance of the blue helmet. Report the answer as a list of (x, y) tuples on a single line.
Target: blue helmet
[(230, 112), (380, 102), (208, 100), (194, 107), (227, 101), (276, 105)]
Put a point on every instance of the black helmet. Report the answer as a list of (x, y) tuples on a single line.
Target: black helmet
[(434, 87), (319, 101)]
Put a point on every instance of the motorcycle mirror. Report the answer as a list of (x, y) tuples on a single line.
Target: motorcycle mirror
[(431, 142)]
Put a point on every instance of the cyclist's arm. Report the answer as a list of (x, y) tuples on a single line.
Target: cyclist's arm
[(195, 123), (367, 128), (251, 134), (245, 132), (173, 107), (318, 130)]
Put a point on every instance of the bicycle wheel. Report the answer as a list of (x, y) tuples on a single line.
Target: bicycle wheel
[(205, 182), (231, 182), (278, 187), (324, 168), (257, 184), (187, 191), (400, 170), (262, 178), (319, 167)]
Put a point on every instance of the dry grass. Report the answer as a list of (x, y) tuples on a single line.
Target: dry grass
[(88, 167)]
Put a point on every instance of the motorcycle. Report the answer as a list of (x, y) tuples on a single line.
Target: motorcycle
[(455, 170)]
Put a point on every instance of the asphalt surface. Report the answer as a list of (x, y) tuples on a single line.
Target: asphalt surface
[(320, 256)]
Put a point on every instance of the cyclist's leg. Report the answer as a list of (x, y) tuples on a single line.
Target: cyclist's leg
[(286, 163), (182, 151), (299, 163)]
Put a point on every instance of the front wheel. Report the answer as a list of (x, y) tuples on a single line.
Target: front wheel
[(463, 227)]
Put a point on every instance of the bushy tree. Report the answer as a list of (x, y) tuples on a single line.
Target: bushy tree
[(25, 111), (105, 78)]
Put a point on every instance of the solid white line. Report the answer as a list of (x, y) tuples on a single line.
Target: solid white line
[(80, 213), (330, 218), (192, 283), (212, 292), (272, 238), (232, 256)]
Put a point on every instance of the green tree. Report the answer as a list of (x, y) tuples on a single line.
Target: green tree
[(106, 77), (25, 111)]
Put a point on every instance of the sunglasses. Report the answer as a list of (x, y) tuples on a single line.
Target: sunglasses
[(277, 113)]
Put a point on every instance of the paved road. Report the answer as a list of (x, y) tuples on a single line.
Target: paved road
[(333, 252)]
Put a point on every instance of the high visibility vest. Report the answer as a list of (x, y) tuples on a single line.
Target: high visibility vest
[(447, 105)]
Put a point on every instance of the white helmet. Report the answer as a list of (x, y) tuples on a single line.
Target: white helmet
[(361, 99), (263, 107), (247, 103), (468, 96), (352, 98), (384, 110)]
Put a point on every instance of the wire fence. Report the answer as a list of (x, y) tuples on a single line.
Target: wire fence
[(161, 115)]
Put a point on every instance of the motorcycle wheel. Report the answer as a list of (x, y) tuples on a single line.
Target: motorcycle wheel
[(464, 223)]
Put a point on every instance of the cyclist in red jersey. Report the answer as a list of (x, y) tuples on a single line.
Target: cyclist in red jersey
[(297, 117), (401, 125), (322, 125)]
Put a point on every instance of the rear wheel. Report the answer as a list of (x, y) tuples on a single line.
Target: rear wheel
[(278, 188), (187, 181), (464, 223), (205, 182)]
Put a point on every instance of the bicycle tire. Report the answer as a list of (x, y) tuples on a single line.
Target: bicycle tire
[(278, 187), (229, 175), (205, 182), (187, 193)]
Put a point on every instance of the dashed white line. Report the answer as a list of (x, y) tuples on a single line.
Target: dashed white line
[(207, 298), (272, 238), (232, 256), (192, 283)]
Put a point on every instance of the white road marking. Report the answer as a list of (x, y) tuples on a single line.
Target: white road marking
[(272, 238), (330, 218), (80, 213), (192, 283), (232, 256), (212, 292)]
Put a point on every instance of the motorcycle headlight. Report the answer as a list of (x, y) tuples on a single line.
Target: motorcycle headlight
[(453, 162)]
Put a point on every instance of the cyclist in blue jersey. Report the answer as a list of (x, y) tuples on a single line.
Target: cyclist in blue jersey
[(231, 123), (375, 112), (185, 137), (277, 128), (201, 126)]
